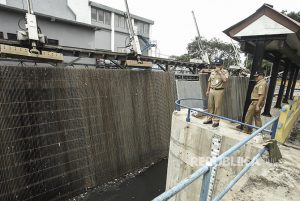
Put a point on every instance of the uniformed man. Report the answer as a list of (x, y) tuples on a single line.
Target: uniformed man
[(258, 97), (215, 91)]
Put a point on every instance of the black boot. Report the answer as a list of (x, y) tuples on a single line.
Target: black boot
[(208, 122), (215, 125)]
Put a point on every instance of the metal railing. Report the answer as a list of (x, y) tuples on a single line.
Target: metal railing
[(205, 171), (188, 118)]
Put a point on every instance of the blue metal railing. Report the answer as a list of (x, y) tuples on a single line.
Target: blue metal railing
[(205, 171), (188, 118)]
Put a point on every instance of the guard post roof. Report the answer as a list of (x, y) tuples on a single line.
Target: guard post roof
[(281, 33)]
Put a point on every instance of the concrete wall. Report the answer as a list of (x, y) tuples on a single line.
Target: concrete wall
[(121, 39), (57, 8), (67, 34), (81, 9), (82, 35), (190, 149), (234, 98), (65, 130), (191, 89), (103, 39)]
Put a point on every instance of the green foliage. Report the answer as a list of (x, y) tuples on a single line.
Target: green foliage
[(266, 66), (214, 48), (184, 57), (293, 15)]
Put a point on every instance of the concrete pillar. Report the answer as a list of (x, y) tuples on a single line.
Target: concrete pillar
[(294, 82), (272, 85), (256, 65), (112, 35), (288, 89), (281, 89)]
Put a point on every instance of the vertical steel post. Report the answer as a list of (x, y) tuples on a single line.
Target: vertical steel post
[(30, 9), (274, 129), (178, 106), (256, 65), (272, 85), (188, 118), (282, 86), (205, 185), (294, 82), (288, 89)]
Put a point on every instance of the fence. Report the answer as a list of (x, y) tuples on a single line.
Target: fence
[(205, 171)]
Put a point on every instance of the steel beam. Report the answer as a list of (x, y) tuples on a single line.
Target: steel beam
[(294, 83), (282, 86), (104, 54), (272, 85), (288, 89), (256, 65)]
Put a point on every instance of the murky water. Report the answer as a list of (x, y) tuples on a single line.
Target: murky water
[(143, 187)]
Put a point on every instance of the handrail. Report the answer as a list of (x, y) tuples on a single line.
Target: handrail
[(179, 105), (181, 185), (205, 170), (245, 169)]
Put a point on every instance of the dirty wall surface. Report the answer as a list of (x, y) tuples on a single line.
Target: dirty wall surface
[(65, 130), (234, 94)]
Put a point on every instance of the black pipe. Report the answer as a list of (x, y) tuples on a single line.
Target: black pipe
[(256, 65), (272, 85), (288, 89), (294, 83), (282, 86)]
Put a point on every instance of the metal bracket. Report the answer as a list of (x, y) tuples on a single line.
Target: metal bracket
[(21, 52)]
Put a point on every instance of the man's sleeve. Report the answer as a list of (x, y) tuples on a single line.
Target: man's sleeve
[(262, 90), (226, 74), (209, 78)]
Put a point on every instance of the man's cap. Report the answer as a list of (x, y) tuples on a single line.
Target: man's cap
[(260, 72), (218, 61)]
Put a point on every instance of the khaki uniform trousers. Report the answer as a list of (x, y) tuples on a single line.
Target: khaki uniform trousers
[(251, 112), (215, 98)]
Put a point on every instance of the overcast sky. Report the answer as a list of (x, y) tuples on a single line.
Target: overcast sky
[(173, 22)]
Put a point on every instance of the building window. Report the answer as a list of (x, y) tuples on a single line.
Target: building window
[(120, 21), (94, 14), (146, 28), (107, 18), (102, 16), (142, 28)]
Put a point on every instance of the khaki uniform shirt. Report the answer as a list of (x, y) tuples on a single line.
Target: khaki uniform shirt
[(216, 80), (259, 89)]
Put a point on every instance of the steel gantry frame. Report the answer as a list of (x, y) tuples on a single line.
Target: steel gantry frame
[(118, 58)]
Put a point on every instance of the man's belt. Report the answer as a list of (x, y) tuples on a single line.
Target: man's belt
[(216, 88), (254, 99)]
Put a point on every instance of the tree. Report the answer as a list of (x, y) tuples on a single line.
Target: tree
[(214, 48), (293, 15), (184, 57)]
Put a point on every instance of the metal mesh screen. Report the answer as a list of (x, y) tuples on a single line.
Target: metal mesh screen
[(65, 130)]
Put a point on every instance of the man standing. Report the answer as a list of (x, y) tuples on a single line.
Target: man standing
[(258, 97), (215, 91)]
